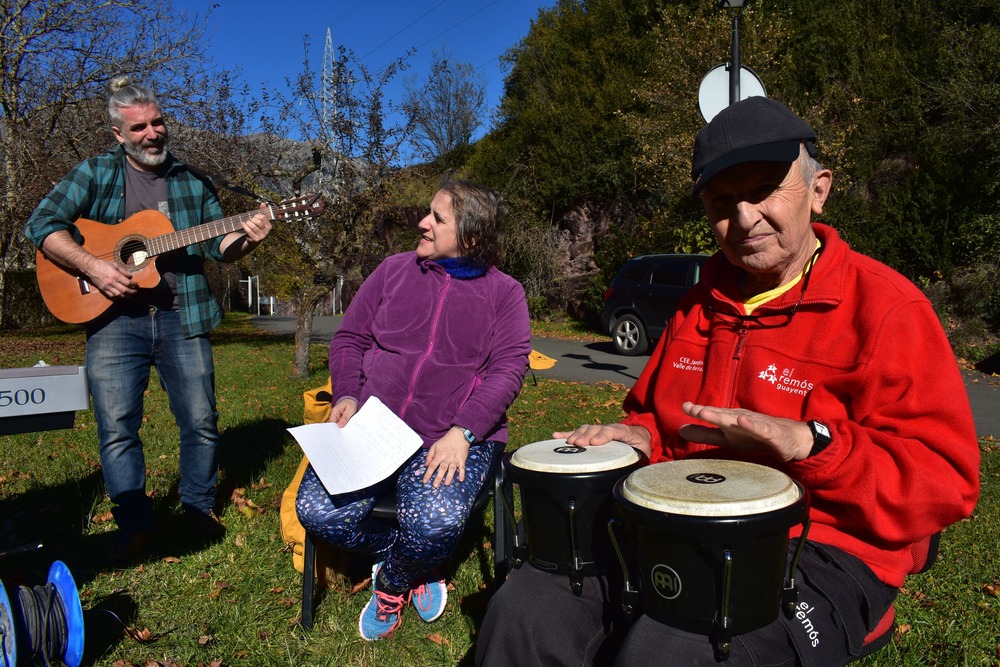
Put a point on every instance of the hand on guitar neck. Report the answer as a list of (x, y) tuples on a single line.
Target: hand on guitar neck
[(240, 243)]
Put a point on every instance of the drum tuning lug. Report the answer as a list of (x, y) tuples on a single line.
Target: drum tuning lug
[(790, 599), (630, 598), (723, 651)]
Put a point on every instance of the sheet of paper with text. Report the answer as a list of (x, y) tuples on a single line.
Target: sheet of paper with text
[(370, 448)]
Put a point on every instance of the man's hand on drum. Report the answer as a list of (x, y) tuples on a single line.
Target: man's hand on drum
[(745, 431), (342, 411), (446, 458), (593, 435)]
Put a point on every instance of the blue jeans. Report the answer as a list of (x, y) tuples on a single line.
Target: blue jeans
[(120, 353)]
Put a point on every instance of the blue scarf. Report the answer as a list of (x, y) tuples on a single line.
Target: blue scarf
[(461, 268)]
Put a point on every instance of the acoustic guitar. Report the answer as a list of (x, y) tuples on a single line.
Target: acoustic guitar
[(134, 244)]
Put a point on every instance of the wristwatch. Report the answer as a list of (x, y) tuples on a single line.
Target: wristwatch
[(470, 437), (821, 436)]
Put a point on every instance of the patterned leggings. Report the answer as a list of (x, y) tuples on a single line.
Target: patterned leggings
[(430, 519)]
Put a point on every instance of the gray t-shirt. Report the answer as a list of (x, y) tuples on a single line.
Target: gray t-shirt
[(147, 190)]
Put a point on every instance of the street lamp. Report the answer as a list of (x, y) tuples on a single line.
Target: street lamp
[(734, 65)]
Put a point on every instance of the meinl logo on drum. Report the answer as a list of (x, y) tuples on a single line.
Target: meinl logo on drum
[(666, 581)]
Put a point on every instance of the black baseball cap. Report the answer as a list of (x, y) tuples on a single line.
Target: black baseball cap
[(756, 129)]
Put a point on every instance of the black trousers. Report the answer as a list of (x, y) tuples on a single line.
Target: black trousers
[(536, 619)]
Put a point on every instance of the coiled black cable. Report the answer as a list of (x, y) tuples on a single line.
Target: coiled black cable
[(44, 622)]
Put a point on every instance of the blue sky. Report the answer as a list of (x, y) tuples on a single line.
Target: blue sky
[(265, 39)]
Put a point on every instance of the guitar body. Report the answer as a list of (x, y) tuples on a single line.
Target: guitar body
[(71, 297), (134, 244)]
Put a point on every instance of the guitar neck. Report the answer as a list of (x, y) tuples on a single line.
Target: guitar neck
[(182, 238)]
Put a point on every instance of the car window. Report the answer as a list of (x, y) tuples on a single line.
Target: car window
[(634, 272), (671, 273)]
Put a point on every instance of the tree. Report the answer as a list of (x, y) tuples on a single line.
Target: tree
[(446, 110), (56, 57), (905, 100), (349, 153), (559, 135)]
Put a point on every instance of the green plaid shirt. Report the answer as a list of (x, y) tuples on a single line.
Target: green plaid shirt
[(95, 190)]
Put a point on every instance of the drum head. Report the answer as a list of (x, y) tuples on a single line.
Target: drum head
[(710, 487), (555, 456)]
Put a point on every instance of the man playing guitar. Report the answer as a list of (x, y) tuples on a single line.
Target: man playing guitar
[(165, 325)]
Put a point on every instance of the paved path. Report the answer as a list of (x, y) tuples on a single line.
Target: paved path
[(597, 362)]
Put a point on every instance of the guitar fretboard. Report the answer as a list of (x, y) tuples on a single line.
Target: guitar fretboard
[(304, 206), (164, 243)]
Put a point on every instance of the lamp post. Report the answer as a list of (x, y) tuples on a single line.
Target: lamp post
[(734, 65), (251, 281)]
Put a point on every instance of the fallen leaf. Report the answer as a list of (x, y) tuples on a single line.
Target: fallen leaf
[(361, 586), (172, 559), (205, 639), (260, 484), (141, 636), (438, 639), (992, 589), (278, 589), (903, 628), (101, 518)]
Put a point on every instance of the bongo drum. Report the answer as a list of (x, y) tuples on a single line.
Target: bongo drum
[(711, 541), (566, 503)]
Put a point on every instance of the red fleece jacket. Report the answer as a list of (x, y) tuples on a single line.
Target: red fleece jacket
[(863, 353)]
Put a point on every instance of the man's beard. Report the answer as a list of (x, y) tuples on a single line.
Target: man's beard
[(136, 150)]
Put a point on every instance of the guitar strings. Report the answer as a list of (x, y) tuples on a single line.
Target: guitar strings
[(144, 248)]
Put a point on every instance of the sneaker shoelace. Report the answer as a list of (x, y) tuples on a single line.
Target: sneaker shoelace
[(388, 604)]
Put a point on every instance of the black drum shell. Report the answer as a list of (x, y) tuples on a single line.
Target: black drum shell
[(684, 556), (545, 508)]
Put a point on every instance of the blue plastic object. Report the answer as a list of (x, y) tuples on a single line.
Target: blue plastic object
[(62, 580), (8, 647)]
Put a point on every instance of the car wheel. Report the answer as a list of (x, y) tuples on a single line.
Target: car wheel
[(629, 336)]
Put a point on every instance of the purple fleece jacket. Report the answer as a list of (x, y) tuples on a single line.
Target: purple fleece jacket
[(438, 351)]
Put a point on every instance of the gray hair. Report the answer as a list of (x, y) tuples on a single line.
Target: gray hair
[(124, 94), (808, 165)]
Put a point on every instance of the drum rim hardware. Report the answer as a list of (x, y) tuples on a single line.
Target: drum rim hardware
[(563, 482), (700, 557)]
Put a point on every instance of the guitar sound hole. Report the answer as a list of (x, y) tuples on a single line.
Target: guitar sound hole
[(133, 253)]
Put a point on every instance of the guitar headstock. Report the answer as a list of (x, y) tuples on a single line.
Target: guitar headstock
[(303, 206)]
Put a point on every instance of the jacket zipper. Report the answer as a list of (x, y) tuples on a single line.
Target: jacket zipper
[(737, 355), (430, 346)]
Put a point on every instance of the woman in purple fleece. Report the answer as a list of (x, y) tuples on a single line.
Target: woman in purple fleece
[(441, 337)]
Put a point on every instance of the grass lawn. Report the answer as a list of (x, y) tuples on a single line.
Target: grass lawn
[(236, 602)]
